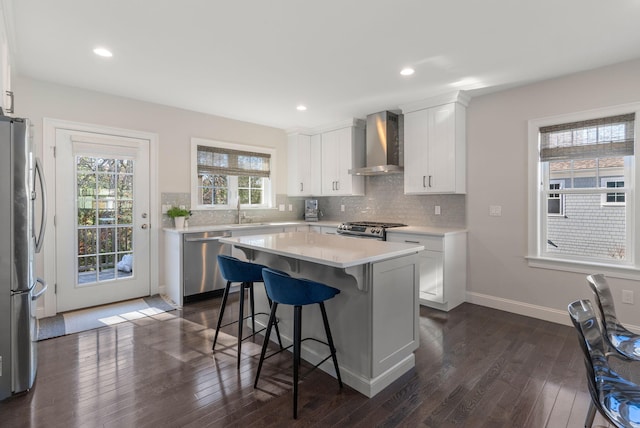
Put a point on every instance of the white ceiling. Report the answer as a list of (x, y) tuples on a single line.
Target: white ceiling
[(255, 60)]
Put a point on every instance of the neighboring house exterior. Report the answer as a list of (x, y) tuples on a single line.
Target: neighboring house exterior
[(602, 215)]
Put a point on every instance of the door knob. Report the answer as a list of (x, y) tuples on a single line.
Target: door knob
[(145, 226), (144, 215)]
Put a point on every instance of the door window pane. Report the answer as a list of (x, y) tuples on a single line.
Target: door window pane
[(104, 203)]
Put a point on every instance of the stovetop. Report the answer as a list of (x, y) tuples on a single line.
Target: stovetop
[(374, 224), (371, 229)]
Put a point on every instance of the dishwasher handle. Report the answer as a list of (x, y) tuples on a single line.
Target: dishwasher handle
[(208, 239)]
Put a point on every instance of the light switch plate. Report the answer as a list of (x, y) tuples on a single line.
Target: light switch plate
[(495, 210), (437, 210), (281, 207), (627, 296)]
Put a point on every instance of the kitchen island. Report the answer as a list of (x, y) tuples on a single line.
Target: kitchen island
[(374, 319)]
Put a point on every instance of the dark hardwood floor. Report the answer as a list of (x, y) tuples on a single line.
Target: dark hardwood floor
[(476, 367)]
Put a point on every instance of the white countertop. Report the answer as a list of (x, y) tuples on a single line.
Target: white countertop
[(420, 230), (330, 250), (245, 226)]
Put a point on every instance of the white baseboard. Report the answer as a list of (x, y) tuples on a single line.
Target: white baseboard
[(534, 311), (520, 308)]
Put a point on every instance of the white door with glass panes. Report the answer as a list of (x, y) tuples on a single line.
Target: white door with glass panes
[(102, 219)]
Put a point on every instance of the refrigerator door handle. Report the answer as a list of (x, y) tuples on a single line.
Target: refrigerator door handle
[(41, 292), (43, 219)]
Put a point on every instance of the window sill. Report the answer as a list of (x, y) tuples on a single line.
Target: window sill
[(614, 271)]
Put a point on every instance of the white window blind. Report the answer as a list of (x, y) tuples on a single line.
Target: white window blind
[(596, 138), (221, 161)]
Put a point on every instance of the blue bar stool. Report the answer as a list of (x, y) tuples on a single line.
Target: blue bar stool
[(298, 292), (235, 270)]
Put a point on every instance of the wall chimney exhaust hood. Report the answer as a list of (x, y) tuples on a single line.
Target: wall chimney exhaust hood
[(384, 145)]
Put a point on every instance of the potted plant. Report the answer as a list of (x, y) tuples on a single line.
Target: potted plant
[(179, 215)]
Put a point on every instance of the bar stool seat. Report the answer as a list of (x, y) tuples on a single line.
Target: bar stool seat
[(246, 273), (297, 292)]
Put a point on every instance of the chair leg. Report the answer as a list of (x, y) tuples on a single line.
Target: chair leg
[(240, 317), (297, 334), (276, 326), (591, 414), (272, 318), (330, 341), (253, 312), (222, 306)]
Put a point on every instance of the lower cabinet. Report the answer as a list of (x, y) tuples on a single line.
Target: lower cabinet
[(443, 263)]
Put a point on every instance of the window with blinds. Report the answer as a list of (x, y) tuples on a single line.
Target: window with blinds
[(219, 161), (586, 170), (227, 176)]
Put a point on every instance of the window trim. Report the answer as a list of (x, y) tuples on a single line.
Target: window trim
[(537, 200), (270, 187)]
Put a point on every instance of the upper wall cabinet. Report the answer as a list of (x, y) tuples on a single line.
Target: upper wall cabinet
[(304, 164), (435, 145), (320, 160), (342, 149)]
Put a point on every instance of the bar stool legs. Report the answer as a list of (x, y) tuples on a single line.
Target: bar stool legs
[(297, 341), (330, 341), (241, 316)]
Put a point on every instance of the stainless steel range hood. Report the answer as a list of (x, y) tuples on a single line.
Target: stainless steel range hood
[(384, 145)]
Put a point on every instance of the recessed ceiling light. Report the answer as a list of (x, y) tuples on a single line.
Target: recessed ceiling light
[(103, 52), (301, 108), (408, 71)]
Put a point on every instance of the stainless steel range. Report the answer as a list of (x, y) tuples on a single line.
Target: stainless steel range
[(367, 229)]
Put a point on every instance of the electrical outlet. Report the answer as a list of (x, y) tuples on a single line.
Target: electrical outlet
[(290, 207), (165, 208), (342, 208), (437, 210), (627, 296), (281, 207), (182, 207)]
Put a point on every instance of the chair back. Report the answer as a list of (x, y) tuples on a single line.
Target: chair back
[(284, 289), (616, 398), (601, 289), (236, 270), (622, 340), (590, 338)]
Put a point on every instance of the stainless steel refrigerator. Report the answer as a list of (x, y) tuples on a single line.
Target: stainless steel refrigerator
[(22, 192)]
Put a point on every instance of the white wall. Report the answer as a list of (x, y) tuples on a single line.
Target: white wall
[(175, 127), (498, 273)]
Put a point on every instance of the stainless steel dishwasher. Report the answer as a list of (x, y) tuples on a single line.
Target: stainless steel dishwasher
[(201, 276)]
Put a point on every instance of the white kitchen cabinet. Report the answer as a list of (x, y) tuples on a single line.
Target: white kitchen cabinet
[(304, 164), (235, 232), (342, 149), (435, 146), (443, 263), (329, 230), (297, 228)]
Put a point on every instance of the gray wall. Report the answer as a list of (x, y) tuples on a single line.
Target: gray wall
[(498, 273)]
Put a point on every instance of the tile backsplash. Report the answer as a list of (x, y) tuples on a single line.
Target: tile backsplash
[(384, 201)]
